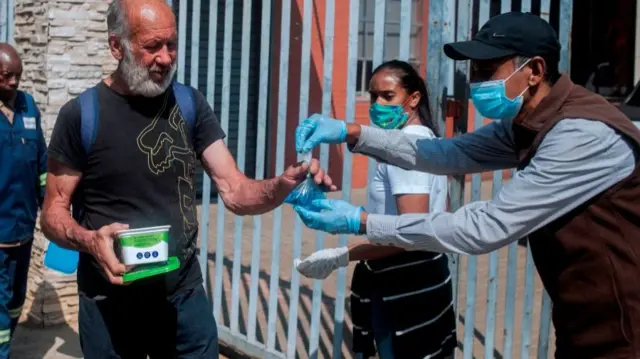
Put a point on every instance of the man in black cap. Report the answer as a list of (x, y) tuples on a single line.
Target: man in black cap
[(576, 195)]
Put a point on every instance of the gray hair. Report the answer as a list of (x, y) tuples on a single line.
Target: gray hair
[(117, 20), (520, 60), (551, 72)]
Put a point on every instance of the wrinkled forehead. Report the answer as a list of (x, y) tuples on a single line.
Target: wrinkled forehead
[(152, 19)]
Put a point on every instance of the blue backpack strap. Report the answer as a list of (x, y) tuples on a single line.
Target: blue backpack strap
[(88, 101), (186, 104), (89, 117)]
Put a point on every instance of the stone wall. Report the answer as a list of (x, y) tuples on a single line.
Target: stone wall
[(77, 52), (30, 36), (63, 44)]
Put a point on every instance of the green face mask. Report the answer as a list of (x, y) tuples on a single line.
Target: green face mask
[(389, 117)]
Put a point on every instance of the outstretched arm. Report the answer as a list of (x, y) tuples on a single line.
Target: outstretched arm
[(486, 149), (577, 160), (246, 196)]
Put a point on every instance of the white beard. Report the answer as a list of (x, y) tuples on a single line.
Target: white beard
[(137, 77)]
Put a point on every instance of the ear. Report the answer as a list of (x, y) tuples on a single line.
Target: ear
[(538, 69), (415, 99), (115, 46)]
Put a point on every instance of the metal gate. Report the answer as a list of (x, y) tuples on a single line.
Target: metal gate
[(6, 20), (262, 306)]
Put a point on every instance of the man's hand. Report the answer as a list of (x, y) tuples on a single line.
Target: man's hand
[(319, 129), (295, 174), (320, 264), (333, 216), (100, 246)]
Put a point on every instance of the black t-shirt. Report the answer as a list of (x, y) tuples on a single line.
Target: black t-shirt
[(139, 171)]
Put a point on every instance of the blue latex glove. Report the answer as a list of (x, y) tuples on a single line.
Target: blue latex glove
[(330, 215), (319, 129)]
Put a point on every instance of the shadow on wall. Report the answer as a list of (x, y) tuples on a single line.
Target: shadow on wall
[(33, 340)]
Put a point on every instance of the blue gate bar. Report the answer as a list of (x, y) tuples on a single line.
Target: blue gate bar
[(380, 16), (463, 33), (4, 15), (327, 71), (545, 312), (545, 9), (182, 39), (470, 306), (193, 81), (195, 42), (224, 120), (211, 56), (505, 6), (446, 65), (512, 270), (472, 261), (526, 6), (305, 74), (545, 326), (206, 180), (492, 276), (327, 94), (434, 55), (510, 296), (10, 22), (405, 29), (527, 310), (352, 63), (283, 83), (242, 144), (379, 32), (263, 106), (566, 21)]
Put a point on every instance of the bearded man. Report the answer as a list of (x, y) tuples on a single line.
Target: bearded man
[(139, 172)]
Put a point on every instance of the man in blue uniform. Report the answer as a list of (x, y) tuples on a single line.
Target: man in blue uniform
[(22, 174)]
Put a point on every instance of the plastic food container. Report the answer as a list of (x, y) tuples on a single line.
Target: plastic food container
[(145, 252), (144, 245)]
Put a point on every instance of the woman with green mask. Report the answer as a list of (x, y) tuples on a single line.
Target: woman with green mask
[(400, 300)]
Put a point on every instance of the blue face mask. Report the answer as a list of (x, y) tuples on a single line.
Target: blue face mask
[(389, 117), (490, 99)]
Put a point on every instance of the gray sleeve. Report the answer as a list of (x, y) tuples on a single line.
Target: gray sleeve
[(577, 160), (488, 148)]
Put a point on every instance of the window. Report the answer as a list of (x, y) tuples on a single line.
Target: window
[(391, 40)]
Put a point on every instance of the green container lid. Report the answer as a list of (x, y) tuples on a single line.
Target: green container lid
[(152, 269)]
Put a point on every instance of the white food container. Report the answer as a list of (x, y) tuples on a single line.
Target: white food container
[(143, 245)]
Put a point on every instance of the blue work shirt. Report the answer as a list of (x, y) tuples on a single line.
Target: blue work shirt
[(23, 170)]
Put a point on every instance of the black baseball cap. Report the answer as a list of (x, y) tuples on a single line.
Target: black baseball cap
[(509, 34)]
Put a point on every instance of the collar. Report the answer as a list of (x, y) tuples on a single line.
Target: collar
[(549, 106), (19, 103)]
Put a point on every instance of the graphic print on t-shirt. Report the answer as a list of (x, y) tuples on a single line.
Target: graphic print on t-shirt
[(170, 149)]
